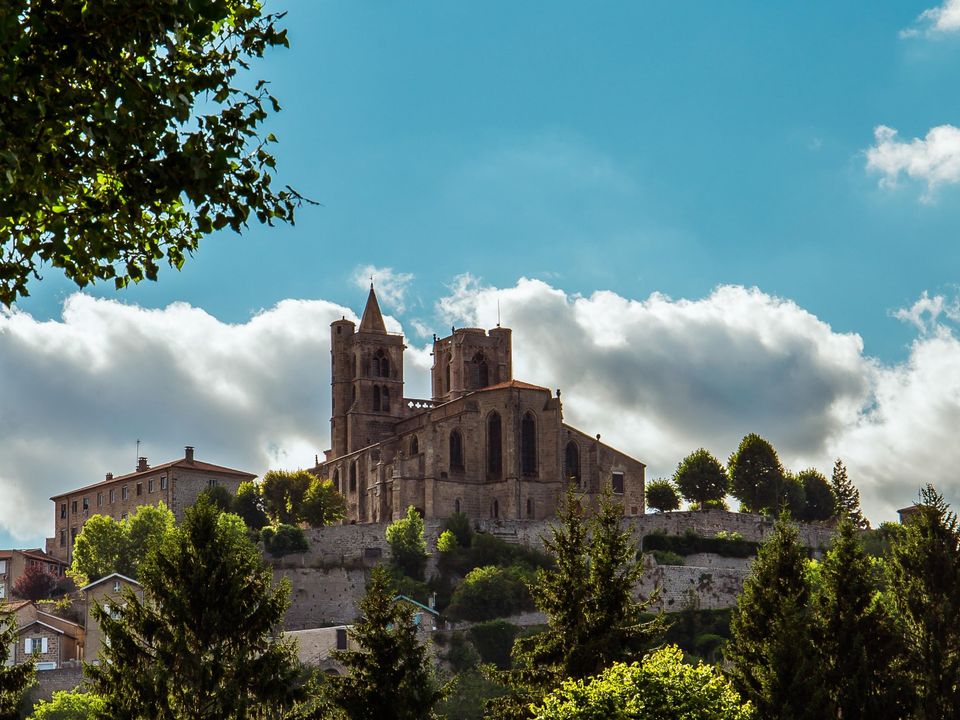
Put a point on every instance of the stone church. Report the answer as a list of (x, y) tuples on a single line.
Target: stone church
[(485, 444)]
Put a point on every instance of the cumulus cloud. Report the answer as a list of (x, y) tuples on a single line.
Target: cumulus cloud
[(658, 377), (944, 18), (391, 285), (934, 159)]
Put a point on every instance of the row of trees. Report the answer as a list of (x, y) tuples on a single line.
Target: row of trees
[(289, 498), (756, 477)]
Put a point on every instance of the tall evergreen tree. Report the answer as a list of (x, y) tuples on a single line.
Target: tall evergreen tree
[(14, 679), (701, 479), (200, 643), (771, 650), (593, 618), (390, 677), (925, 587), (756, 475), (846, 497), (855, 636)]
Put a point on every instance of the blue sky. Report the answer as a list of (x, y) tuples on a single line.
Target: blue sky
[(637, 148)]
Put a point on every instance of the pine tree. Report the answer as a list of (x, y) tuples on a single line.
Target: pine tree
[(771, 650), (756, 475), (855, 636), (593, 618), (846, 497), (390, 677), (14, 679), (200, 644), (925, 588)]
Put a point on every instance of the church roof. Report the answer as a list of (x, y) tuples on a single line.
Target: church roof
[(372, 320), (518, 384)]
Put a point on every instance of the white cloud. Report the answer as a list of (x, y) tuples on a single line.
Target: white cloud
[(658, 377), (934, 159), (391, 285), (944, 18)]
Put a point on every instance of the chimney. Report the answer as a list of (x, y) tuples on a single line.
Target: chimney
[(142, 464), (188, 453), (109, 477)]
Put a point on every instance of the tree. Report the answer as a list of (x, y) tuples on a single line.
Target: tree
[(593, 619), (846, 497), (855, 636), (390, 676), (323, 504), (408, 549), (701, 479), (14, 679), (756, 475), (447, 542), (793, 495), (817, 498), (219, 496), (36, 583), (105, 546), (69, 706), (925, 588), (771, 650), (662, 496), (283, 492), (490, 592), (280, 540), (127, 137), (248, 504), (201, 642), (661, 687)]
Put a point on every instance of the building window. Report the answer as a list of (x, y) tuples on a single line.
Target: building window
[(341, 638), (116, 586), (113, 495), (139, 489), (63, 511), (385, 399), (529, 507), (456, 505), (123, 517), (528, 445), (381, 364), (446, 376), (456, 450), (494, 445), (99, 499), (124, 492), (353, 476), (415, 446), (73, 535), (150, 484), (63, 538), (495, 509), (73, 507), (572, 463), (336, 479), (163, 482), (212, 483), (617, 483), (376, 397), (480, 371)]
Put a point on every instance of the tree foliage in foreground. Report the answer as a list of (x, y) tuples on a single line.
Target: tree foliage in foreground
[(127, 135), (73, 705), (14, 679), (200, 644), (661, 687), (390, 676), (593, 619)]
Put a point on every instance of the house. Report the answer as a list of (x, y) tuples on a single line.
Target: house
[(426, 619), (14, 563), (177, 484), (317, 647), (50, 640), (106, 591), (485, 444)]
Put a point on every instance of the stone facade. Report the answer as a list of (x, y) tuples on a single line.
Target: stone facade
[(14, 563), (49, 646), (104, 592), (485, 445), (176, 484)]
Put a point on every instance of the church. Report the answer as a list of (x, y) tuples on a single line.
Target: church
[(485, 444)]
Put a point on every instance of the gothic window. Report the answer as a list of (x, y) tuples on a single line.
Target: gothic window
[(572, 463), (495, 509), (494, 445), (446, 377), (415, 446), (456, 505), (456, 450), (528, 445), (385, 399), (376, 397), (336, 479), (353, 476), (381, 364), (529, 508), (480, 371)]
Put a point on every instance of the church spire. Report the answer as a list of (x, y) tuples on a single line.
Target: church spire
[(372, 320)]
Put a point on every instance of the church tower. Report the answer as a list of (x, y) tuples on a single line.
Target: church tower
[(367, 380), (470, 359)]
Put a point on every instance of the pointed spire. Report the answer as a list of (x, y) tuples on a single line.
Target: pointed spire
[(372, 320)]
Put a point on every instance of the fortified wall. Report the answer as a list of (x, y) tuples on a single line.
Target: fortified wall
[(328, 581)]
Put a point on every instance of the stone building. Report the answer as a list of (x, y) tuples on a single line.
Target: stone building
[(177, 484), (14, 563), (485, 444), (105, 592)]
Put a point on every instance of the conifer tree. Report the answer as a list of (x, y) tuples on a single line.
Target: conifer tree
[(14, 679), (756, 475), (593, 618), (925, 588), (774, 663), (846, 497), (390, 676), (855, 636), (199, 645)]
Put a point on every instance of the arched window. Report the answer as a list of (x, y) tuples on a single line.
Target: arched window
[(456, 450), (528, 445), (572, 463), (415, 446), (385, 399), (495, 509), (381, 364), (376, 397), (529, 507), (494, 445), (480, 371), (353, 476), (446, 377), (456, 505), (336, 479)]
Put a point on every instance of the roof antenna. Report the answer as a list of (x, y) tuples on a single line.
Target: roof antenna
[(498, 311), (137, 463)]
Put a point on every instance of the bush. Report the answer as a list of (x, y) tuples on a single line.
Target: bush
[(461, 654), (667, 557), (447, 542), (459, 525), (69, 706), (408, 549), (688, 544), (284, 540), (467, 696), (490, 592), (494, 641)]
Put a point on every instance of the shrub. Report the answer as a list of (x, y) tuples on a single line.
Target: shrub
[(491, 592), (69, 706), (690, 543), (284, 540), (447, 542), (408, 549), (494, 641), (667, 557), (461, 654), (459, 525)]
